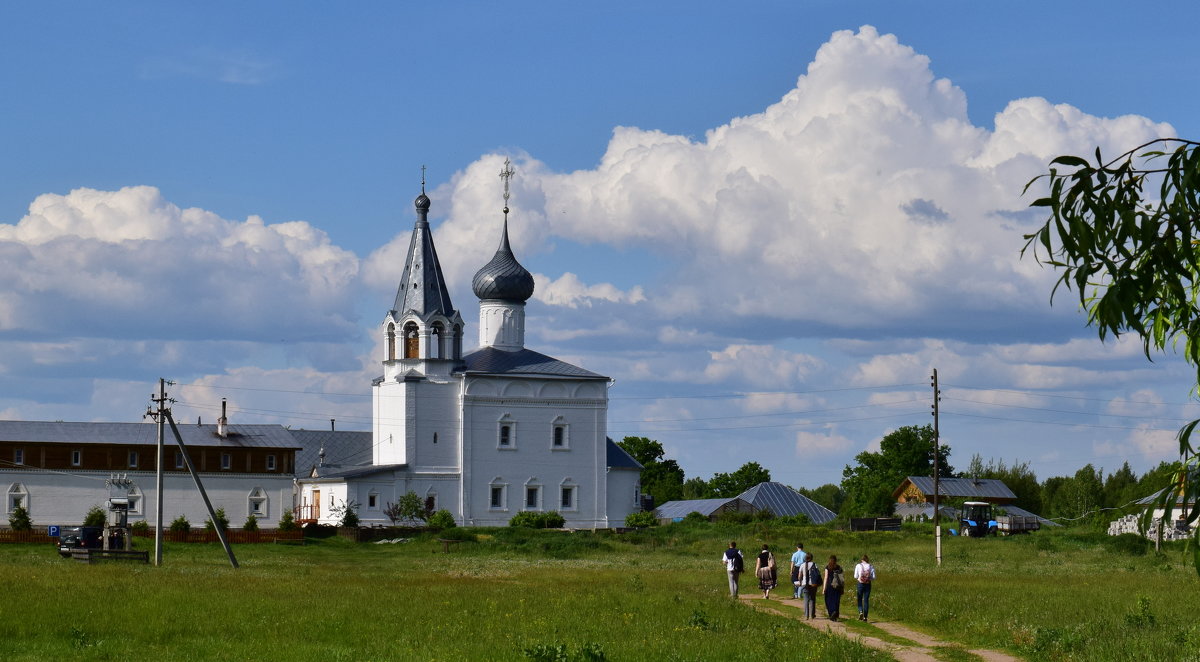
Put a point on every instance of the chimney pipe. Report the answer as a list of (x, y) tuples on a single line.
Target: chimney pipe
[(332, 427), (222, 422)]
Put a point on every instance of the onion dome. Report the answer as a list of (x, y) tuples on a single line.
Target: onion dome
[(503, 277), (422, 201)]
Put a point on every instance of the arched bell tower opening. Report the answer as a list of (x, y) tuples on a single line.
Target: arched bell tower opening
[(391, 342), (412, 341)]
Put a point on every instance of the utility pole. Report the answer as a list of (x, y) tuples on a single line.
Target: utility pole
[(937, 442), (157, 413)]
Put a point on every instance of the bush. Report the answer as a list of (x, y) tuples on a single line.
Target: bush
[(287, 522), (140, 527), (222, 521), (95, 517), (180, 525), (349, 517), (1128, 544), (641, 520), (19, 520), (411, 508), (736, 518), (251, 524), (533, 520), (695, 518), (442, 519)]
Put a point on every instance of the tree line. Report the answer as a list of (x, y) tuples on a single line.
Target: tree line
[(1088, 496)]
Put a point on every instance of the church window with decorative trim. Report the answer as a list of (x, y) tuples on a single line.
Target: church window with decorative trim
[(506, 433)]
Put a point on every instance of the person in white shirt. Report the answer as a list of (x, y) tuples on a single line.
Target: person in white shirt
[(733, 561), (864, 574)]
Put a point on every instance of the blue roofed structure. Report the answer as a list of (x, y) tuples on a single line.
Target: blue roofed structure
[(673, 511), (783, 501), (618, 458)]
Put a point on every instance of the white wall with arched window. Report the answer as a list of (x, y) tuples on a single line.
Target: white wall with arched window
[(17, 497), (532, 499), (431, 500), (568, 495), (498, 494), (560, 434), (506, 433)]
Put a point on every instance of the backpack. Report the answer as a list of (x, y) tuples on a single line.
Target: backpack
[(835, 580), (814, 575), (865, 575), (739, 565)]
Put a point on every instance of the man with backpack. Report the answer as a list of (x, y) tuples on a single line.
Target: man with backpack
[(734, 566)]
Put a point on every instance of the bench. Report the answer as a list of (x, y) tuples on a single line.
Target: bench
[(86, 555), (446, 542)]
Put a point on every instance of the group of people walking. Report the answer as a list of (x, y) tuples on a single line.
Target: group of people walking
[(807, 579)]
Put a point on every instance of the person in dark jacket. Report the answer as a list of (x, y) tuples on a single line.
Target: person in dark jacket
[(834, 584)]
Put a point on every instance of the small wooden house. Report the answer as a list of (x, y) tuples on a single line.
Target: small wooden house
[(919, 489)]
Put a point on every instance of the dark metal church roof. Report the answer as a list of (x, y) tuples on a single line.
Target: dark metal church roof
[(503, 277), (618, 458), (522, 362), (342, 448), (422, 288)]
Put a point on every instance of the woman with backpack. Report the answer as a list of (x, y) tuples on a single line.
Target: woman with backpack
[(764, 568), (834, 584), (864, 572)]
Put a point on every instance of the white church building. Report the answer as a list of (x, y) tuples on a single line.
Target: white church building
[(485, 435)]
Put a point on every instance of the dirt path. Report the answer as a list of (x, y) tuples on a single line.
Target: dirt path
[(921, 649)]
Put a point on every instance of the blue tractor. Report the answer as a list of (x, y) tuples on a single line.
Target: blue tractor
[(978, 520)]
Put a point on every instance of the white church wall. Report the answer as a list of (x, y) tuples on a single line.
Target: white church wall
[(434, 445), (623, 494), (64, 498), (531, 459)]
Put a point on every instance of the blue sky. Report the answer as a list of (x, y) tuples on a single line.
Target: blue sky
[(767, 225)]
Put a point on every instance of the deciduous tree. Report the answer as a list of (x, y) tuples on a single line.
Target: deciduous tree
[(662, 479), (907, 451), (1124, 234)]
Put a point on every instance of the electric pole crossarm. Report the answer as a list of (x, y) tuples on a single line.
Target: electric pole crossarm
[(187, 460)]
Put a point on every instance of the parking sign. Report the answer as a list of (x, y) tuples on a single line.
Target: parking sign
[(52, 530)]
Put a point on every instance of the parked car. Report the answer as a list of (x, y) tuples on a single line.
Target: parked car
[(80, 537)]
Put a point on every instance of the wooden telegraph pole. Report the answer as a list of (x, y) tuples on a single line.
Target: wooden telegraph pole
[(937, 513)]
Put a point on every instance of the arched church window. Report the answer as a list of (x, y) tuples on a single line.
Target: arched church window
[(18, 497), (412, 341), (391, 342)]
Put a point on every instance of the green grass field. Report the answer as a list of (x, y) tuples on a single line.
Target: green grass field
[(655, 595)]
